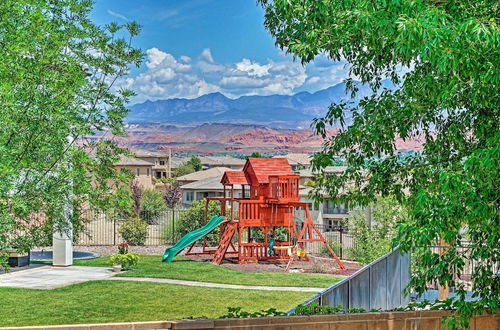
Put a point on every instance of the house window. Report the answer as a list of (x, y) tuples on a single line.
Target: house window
[(148, 171), (189, 196), (162, 162), (158, 175), (138, 171)]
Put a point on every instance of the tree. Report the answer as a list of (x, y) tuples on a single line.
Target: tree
[(194, 217), (173, 196), (375, 238), (136, 196), (195, 162), (440, 59), (152, 205), (183, 170), (255, 154), (58, 78)]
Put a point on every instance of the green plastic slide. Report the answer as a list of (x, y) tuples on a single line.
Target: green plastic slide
[(191, 237)]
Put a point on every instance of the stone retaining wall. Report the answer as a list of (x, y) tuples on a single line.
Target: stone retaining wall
[(422, 320)]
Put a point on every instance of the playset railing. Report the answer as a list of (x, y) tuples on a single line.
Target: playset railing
[(251, 251), (249, 210), (284, 187)]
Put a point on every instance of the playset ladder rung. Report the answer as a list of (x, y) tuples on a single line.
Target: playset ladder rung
[(224, 242)]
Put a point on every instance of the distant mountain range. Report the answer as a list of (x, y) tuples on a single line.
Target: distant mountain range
[(272, 110)]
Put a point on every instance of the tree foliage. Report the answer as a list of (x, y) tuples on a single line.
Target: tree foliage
[(375, 239), (255, 154), (183, 169), (195, 162), (173, 196), (194, 218), (441, 62), (152, 205), (58, 77)]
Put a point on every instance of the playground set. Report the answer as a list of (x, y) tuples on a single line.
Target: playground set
[(269, 200)]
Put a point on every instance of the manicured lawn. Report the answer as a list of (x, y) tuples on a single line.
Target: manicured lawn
[(186, 269), (110, 301)]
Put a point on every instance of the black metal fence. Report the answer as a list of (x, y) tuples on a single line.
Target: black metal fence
[(464, 252), (103, 228), (338, 237)]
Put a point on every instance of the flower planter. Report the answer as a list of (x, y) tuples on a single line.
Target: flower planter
[(117, 268)]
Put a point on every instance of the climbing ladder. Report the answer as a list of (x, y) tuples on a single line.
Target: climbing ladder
[(225, 241)]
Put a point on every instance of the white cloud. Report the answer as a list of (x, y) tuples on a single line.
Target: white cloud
[(117, 15), (166, 76)]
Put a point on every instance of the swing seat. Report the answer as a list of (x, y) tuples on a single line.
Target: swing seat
[(284, 247), (301, 253)]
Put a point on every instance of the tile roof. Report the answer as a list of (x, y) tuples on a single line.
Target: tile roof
[(200, 175), (148, 153), (298, 159), (221, 161), (329, 170), (129, 161), (207, 184)]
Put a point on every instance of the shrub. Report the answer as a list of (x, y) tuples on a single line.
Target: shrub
[(127, 260), (134, 231), (375, 241), (280, 234), (194, 218), (152, 205), (183, 169)]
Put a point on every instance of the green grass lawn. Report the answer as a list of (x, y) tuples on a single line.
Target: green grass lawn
[(186, 269), (110, 301)]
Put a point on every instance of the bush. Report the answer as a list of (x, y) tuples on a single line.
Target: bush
[(183, 169), (152, 206), (372, 243), (127, 260), (280, 234), (194, 218), (134, 231)]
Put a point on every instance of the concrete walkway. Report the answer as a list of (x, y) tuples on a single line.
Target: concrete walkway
[(49, 277), (216, 285)]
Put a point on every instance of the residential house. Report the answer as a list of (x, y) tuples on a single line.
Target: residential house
[(307, 174), (201, 175), (327, 213), (140, 168), (160, 160), (230, 162), (297, 161), (208, 187)]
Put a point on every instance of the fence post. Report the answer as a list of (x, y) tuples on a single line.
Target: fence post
[(114, 229), (341, 230), (173, 227)]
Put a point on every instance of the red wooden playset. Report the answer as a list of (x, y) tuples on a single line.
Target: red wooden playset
[(269, 200)]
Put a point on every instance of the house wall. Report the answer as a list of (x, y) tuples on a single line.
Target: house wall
[(144, 177), (190, 195), (158, 169)]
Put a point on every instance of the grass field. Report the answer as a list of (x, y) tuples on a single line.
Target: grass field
[(186, 269), (116, 301)]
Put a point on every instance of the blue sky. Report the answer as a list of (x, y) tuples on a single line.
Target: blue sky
[(195, 47)]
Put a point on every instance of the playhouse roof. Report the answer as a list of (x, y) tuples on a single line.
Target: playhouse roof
[(234, 177), (260, 169)]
